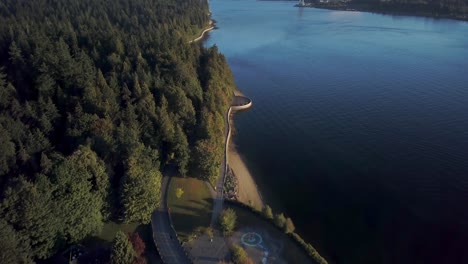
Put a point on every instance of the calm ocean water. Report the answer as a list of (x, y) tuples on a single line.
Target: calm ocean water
[(359, 129)]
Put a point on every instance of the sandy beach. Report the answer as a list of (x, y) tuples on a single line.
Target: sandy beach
[(248, 191)]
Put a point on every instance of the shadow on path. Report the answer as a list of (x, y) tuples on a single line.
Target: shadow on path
[(164, 235)]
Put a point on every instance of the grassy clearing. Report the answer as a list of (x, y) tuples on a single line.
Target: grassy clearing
[(191, 210), (111, 228)]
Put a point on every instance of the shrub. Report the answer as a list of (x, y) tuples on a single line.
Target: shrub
[(122, 249), (137, 243), (267, 212), (179, 192), (280, 220), (310, 249), (239, 256), (289, 226), (209, 232), (228, 220)]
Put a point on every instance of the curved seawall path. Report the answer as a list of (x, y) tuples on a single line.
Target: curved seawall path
[(202, 34), (239, 103)]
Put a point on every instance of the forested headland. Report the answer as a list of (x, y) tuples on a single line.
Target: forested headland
[(456, 9), (96, 97)]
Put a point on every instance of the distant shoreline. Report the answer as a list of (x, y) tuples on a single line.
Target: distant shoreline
[(381, 10)]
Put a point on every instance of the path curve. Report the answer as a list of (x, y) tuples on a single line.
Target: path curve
[(164, 234), (238, 103), (203, 33)]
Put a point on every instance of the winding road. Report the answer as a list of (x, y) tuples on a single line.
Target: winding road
[(164, 235)]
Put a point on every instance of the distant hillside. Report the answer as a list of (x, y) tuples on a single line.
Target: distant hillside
[(457, 9)]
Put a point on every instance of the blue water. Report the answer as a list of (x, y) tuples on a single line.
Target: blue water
[(359, 129)]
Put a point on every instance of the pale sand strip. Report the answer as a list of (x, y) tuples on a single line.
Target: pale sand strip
[(248, 191)]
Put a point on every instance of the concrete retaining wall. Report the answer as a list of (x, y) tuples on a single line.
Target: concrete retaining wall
[(241, 103)]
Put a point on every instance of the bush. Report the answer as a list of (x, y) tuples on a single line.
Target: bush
[(280, 220), (228, 220), (289, 226), (179, 192), (209, 232), (267, 212), (239, 256), (122, 249), (137, 243)]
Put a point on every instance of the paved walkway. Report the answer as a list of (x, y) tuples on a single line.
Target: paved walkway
[(203, 250), (164, 235), (217, 194)]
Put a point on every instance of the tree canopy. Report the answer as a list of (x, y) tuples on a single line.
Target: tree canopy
[(228, 219), (122, 249), (96, 97)]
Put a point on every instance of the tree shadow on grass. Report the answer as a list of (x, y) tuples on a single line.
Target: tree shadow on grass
[(185, 224), (203, 202)]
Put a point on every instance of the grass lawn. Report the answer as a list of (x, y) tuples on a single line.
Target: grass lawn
[(193, 209), (110, 229)]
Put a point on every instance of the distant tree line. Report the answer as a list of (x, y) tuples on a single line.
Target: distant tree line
[(435, 8), (96, 96)]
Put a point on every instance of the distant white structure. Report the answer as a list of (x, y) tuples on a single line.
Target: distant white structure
[(301, 3)]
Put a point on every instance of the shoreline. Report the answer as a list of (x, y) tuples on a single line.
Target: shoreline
[(248, 191), (371, 10), (202, 34)]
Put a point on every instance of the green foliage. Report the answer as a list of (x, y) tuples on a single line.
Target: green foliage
[(209, 232), (280, 220), (310, 249), (93, 98), (31, 210), (11, 250), (228, 220), (239, 256), (141, 187), (122, 249), (267, 212), (289, 226), (79, 183), (440, 8), (179, 192), (181, 150), (208, 160), (7, 151)]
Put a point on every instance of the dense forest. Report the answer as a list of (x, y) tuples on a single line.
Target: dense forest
[(434, 8), (96, 97)]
